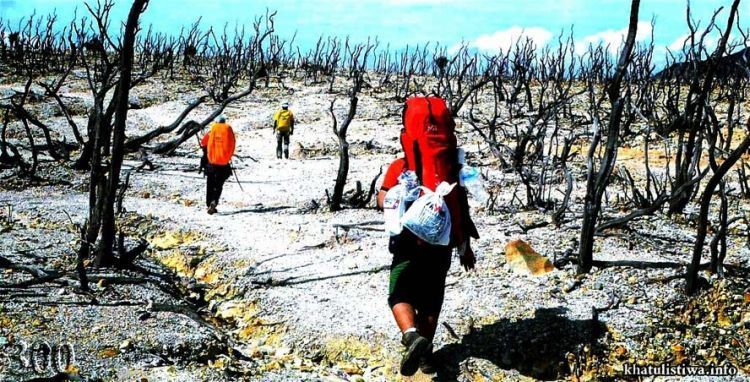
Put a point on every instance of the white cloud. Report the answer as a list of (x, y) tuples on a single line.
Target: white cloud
[(613, 38), (710, 43), (676, 45), (505, 39)]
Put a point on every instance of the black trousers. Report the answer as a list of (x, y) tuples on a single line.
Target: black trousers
[(216, 176), (282, 138), (418, 272)]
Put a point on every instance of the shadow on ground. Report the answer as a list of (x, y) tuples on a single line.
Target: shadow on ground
[(258, 210), (535, 347)]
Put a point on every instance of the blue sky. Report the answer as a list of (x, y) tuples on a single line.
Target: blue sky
[(484, 24)]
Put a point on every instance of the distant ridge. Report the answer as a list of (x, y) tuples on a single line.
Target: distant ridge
[(735, 65)]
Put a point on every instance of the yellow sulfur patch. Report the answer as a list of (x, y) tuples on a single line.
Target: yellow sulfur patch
[(73, 370), (108, 352), (5, 322), (237, 311), (679, 354), (220, 363), (179, 262), (523, 259), (723, 320), (173, 239), (205, 272)]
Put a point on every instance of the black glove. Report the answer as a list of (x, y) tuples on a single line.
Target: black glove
[(466, 255)]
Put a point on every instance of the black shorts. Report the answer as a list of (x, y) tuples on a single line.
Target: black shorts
[(418, 273)]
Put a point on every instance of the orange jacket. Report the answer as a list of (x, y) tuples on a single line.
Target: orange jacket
[(220, 144)]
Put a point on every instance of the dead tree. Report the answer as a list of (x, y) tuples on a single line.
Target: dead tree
[(538, 137), (531, 92), (34, 152), (234, 60), (742, 178), (42, 51), (9, 155), (492, 126), (134, 144), (701, 84), (460, 77), (358, 56), (332, 60), (412, 64), (105, 253), (597, 180), (705, 202), (100, 57)]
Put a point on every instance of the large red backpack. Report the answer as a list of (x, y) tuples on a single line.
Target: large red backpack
[(430, 148)]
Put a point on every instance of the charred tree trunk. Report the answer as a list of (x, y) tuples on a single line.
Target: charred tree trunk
[(597, 184), (358, 56), (719, 242), (135, 143), (343, 172), (698, 97), (105, 255), (692, 274)]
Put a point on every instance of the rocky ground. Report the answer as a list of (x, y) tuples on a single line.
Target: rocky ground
[(289, 291)]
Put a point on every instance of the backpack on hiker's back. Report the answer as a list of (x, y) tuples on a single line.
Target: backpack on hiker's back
[(430, 148)]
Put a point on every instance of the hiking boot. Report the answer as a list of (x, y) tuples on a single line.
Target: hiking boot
[(416, 346), (212, 208), (427, 363)]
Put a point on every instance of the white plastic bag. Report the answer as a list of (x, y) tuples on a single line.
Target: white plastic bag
[(398, 199), (428, 218), (471, 179)]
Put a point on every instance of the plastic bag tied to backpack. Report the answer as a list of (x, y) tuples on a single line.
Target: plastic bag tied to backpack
[(428, 217), (471, 179), (398, 199)]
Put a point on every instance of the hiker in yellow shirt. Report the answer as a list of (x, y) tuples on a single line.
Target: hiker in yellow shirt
[(283, 127)]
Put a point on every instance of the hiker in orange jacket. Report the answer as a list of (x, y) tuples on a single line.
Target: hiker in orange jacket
[(219, 144)]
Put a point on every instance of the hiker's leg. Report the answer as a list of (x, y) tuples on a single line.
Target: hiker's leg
[(224, 174), (405, 316), (427, 325), (400, 288), (286, 145), (210, 181), (431, 289), (279, 138), (403, 279)]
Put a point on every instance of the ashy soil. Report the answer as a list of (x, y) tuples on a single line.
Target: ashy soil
[(286, 290)]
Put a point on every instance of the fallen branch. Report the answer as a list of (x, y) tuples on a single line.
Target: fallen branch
[(451, 331)]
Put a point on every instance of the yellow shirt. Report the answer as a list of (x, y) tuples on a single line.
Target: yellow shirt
[(284, 120)]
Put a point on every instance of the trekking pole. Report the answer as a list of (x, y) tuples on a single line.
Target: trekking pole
[(237, 178), (247, 156)]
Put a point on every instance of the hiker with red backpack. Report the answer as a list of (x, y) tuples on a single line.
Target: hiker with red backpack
[(435, 222)]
